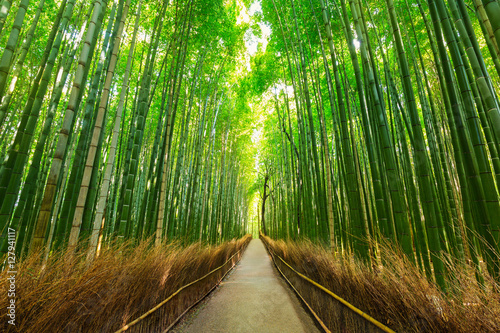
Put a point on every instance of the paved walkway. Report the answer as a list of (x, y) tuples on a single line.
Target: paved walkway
[(253, 298)]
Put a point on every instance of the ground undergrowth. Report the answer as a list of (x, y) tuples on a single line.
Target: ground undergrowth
[(124, 282), (396, 294)]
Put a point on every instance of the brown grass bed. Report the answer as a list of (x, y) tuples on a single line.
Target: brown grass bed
[(120, 285), (396, 294)]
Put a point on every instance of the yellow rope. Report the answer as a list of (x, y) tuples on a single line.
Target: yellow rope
[(338, 298), (302, 298), (201, 298), (132, 323)]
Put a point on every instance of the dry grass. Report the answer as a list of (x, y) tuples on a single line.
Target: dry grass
[(122, 284), (396, 294)]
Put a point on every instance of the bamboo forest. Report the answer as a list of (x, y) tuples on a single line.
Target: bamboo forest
[(250, 166)]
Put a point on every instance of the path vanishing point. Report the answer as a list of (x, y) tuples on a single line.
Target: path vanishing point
[(253, 298)]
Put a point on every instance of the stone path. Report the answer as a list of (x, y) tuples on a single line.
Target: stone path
[(253, 298)]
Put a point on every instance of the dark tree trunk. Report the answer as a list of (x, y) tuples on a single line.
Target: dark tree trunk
[(264, 197)]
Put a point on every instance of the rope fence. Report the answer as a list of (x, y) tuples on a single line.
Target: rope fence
[(354, 309), (327, 291), (159, 305)]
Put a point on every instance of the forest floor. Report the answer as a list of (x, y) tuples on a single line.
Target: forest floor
[(253, 298)]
